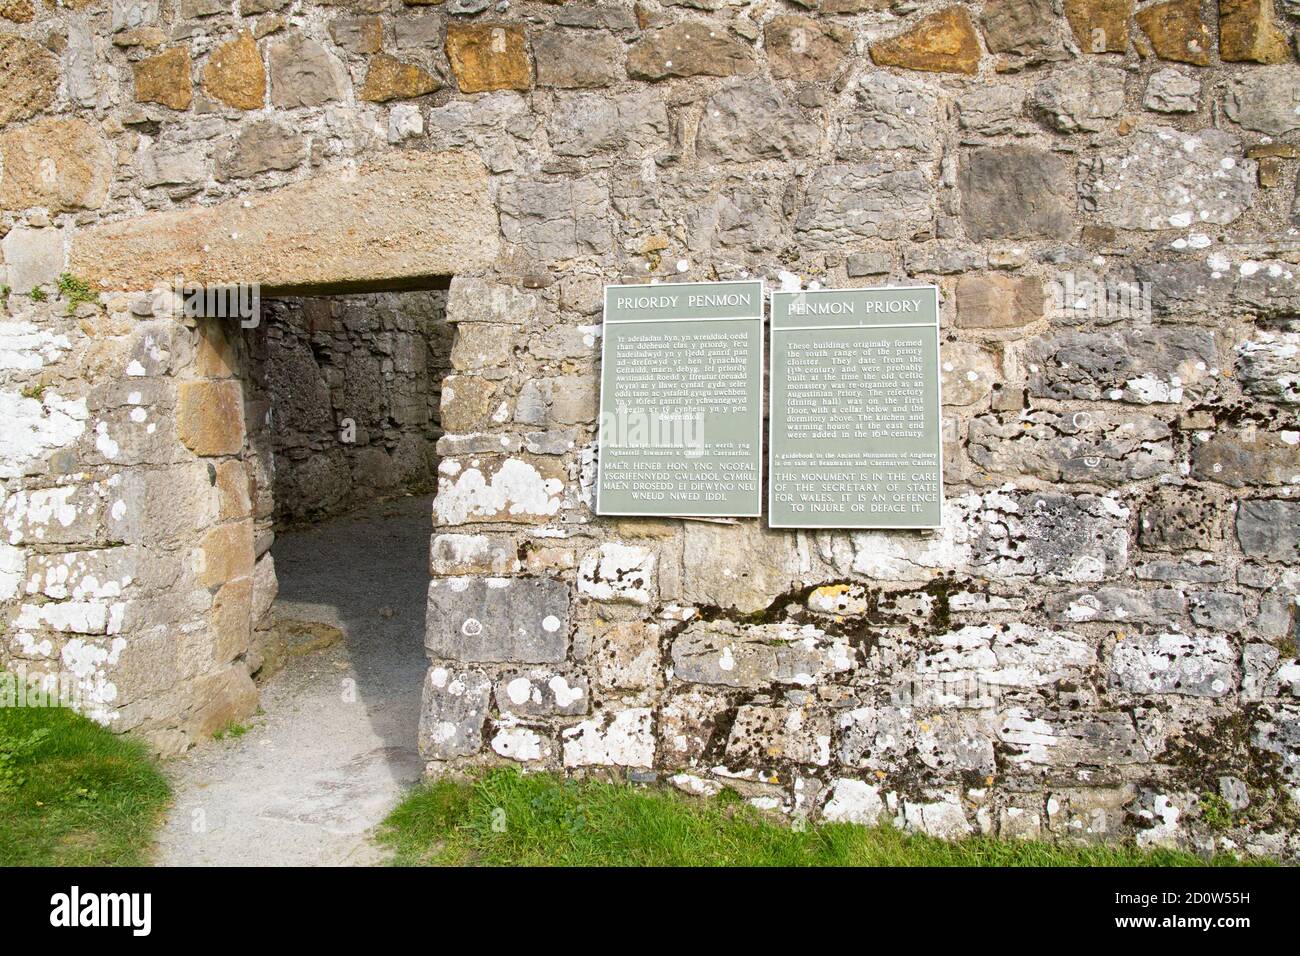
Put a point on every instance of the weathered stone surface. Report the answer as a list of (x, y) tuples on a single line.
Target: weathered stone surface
[(991, 112), (893, 113), (763, 734), (971, 666), (178, 166), (462, 554), (625, 655), (621, 739), (1079, 538), (29, 77), (489, 56), (542, 693), (261, 146), (1219, 611), (1268, 366), (799, 48), (968, 372), (482, 346), (555, 219), (19, 11), (471, 299), (1090, 447), (1164, 606), (210, 417), (618, 572), (358, 35), (943, 42), (1248, 457), (1269, 529), (303, 74), (845, 202), (1080, 99), (1017, 26), (495, 488), (750, 120), (388, 78), (1016, 192), (854, 801), (1179, 519), (733, 655), (59, 164), (453, 710), (1177, 31), (1057, 738), (688, 48), (765, 565), (401, 215), (234, 74), (1174, 664), (1152, 366), (1100, 26), (577, 59), (1167, 179), (583, 124), (998, 301), (498, 619), (1173, 91), (1277, 732), (1249, 32), (1267, 101), (165, 79)]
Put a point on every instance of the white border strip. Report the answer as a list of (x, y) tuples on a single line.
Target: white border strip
[(600, 422), (938, 369)]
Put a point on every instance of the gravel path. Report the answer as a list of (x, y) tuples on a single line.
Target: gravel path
[(335, 746)]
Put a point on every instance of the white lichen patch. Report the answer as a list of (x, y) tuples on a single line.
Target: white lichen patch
[(514, 488)]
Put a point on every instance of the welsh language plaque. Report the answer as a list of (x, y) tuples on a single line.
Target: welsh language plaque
[(855, 409), (681, 400)]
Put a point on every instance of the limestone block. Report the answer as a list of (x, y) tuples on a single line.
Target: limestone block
[(62, 165), (1164, 178), (453, 710), (732, 655), (620, 739), (210, 417), (489, 56), (542, 693), (1172, 663), (402, 214), (498, 619), (688, 48)]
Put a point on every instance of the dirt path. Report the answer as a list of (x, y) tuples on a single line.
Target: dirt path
[(335, 746)]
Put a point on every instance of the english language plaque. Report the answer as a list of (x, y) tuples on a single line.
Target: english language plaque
[(855, 429), (681, 400)]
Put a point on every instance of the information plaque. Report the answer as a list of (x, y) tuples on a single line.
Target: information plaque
[(681, 400), (855, 409)]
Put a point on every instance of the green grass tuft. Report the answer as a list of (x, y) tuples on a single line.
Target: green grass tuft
[(74, 794), (508, 819)]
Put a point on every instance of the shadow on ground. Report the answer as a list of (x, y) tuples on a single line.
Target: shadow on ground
[(334, 748)]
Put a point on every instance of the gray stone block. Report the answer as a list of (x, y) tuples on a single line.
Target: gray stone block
[(498, 619)]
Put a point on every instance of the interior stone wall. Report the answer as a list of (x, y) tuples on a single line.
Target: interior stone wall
[(345, 391), (1099, 643)]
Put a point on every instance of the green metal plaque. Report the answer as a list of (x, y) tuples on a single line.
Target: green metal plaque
[(855, 409), (681, 400)]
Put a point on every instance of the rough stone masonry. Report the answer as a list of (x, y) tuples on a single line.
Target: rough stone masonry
[(1099, 643)]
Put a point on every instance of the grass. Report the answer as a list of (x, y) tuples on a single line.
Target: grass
[(74, 794), (507, 819)]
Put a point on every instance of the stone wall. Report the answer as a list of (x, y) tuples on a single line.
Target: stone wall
[(344, 395), (1102, 638)]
